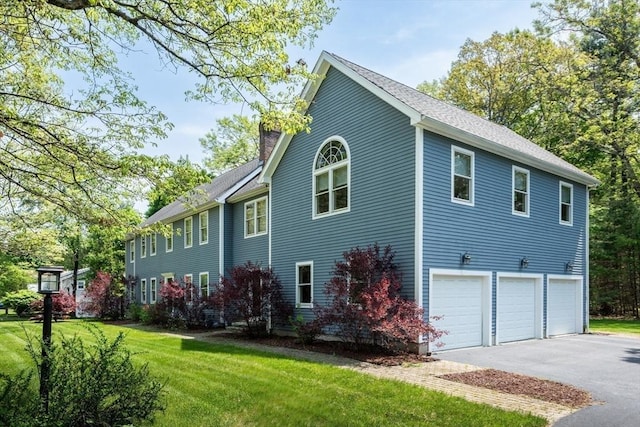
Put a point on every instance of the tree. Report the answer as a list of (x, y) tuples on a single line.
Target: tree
[(253, 294), (364, 302), (104, 297), (234, 142), (14, 275), (181, 179), (20, 301), (76, 147)]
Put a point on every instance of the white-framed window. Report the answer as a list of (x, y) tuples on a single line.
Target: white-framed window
[(143, 291), (520, 199), (204, 284), (132, 250), (331, 178), (143, 246), (153, 244), (169, 239), (153, 285), (81, 284), (203, 221), (255, 217), (188, 232), (566, 203), (462, 175), (188, 286), (304, 284)]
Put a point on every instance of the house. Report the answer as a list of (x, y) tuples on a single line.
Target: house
[(66, 285), (489, 229)]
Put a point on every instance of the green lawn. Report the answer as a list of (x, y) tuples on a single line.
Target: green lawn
[(615, 326), (220, 385)]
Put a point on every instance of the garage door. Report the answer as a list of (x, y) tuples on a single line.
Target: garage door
[(564, 302), (459, 299), (518, 310)]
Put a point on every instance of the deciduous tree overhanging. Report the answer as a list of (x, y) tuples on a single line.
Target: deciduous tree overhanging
[(234, 141), (78, 147), (573, 87)]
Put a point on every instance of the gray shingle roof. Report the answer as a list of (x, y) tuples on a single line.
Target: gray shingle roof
[(205, 193), (438, 114)]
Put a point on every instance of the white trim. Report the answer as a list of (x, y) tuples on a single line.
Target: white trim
[(538, 300), (527, 205), (166, 240), (455, 149), (184, 223), (221, 238), (224, 196), (255, 202), (143, 246), (269, 221), (200, 282), (153, 290), (200, 214), (570, 186), (143, 291), (329, 169), (153, 244), (579, 297), (587, 283), (486, 277), (419, 218), (298, 303)]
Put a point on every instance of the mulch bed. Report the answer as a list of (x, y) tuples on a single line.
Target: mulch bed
[(507, 382)]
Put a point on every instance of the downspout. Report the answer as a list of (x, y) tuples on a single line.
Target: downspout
[(419, 225), (586, 265), (221, 207)]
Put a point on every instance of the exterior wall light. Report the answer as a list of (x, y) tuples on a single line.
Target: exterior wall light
[(568, 266), (465, 259), (524, 262)]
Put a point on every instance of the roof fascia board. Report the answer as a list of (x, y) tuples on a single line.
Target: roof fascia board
[(321, 68), (248, 195), (238, 185), (486, 145)]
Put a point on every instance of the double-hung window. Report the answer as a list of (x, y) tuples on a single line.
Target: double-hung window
[(331, 178), (204, 285), (132, 250), (203, 219), (143, 291), (520, 191), (169, 239), (188, 232), (566, 203), (462, 175), (154, 290), (255, 217), (143, 246), (304, 284), (153, 244)]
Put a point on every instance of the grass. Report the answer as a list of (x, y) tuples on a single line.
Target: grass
[(209, 384), (615, 326)]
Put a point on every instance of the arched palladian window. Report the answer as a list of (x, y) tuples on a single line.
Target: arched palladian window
[(331, 178)]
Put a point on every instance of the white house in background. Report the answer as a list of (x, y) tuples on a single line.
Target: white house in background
[(66, 285)]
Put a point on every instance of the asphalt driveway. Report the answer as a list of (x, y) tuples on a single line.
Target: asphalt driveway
[(605, 365)]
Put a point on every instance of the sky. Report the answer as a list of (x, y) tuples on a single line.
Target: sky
[(410, 41)]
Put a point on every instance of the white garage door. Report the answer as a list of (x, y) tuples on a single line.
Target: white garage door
[(459, 299), (517, 311), (564, 313)]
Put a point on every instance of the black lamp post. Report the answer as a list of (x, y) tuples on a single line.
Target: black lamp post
[(48, 284)]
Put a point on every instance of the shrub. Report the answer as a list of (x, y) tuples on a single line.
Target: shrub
[(63, 304), (135, 312), (104, 297), (365, 302), (20, 301), (253, 294), (307, 331), (88, 385)]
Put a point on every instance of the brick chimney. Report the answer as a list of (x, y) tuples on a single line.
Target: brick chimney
[(268, 139)]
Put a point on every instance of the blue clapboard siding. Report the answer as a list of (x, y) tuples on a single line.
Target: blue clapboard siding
[(181, 261), (254, 249), (382, 143), (495, 238)]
